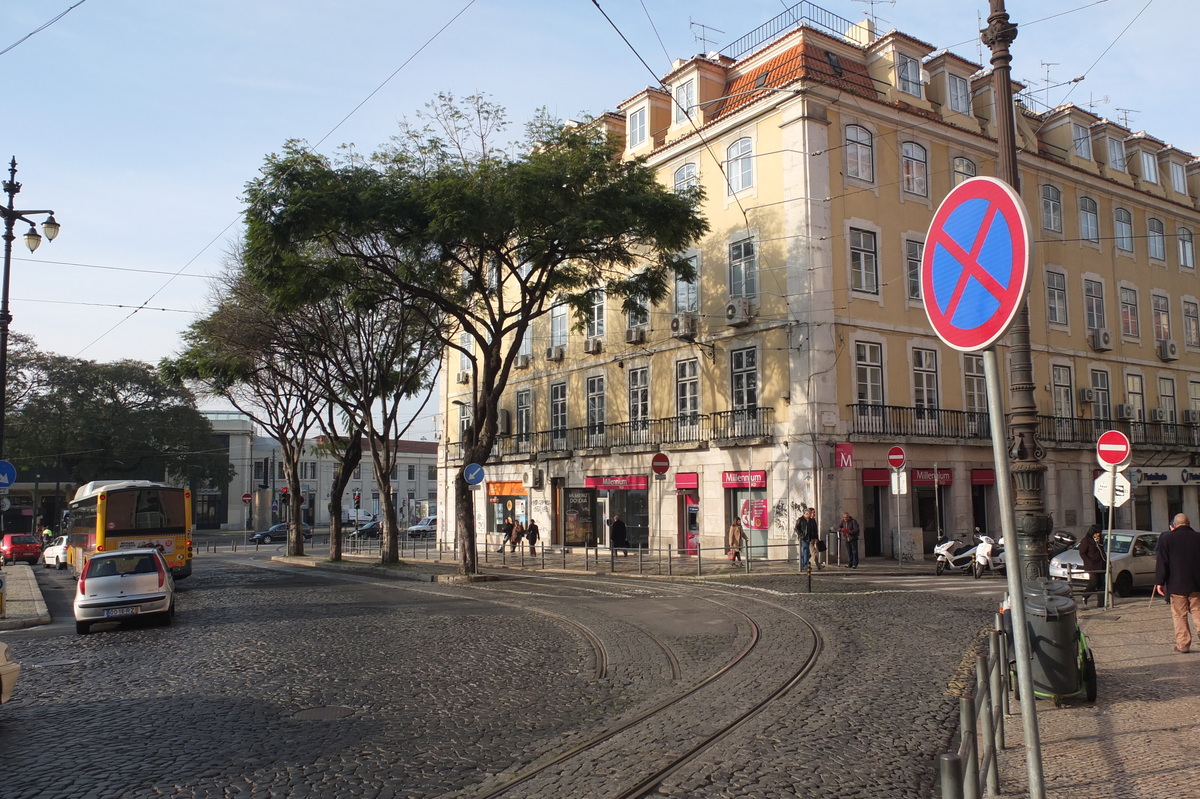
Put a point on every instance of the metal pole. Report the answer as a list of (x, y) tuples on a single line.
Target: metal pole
[(1112, 512)]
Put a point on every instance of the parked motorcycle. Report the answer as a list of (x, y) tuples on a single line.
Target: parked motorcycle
[(989, 556), (955, 555)]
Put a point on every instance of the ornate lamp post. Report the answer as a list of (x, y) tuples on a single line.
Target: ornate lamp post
[(32, 239)]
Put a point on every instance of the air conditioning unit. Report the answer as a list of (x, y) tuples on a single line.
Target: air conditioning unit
[(635, 335), (555, 353), (1124, 411), (463, 377), (683, 325), (522, 362), (1191, 417), (1158, 415), (533, 478), (1101, 339), (592, 346), (1168, 350), (1087, 395), (737, 312), (503, 422)]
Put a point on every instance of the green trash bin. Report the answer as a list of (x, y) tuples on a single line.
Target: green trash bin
[(1053, 644)]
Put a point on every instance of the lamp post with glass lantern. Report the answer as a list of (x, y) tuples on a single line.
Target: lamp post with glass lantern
[(32, 239)]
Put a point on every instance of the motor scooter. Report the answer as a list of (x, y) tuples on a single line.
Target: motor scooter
[(955, 555), (989, 555), (1060, 541)]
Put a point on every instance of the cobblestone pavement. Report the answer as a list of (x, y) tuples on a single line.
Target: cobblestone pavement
[(277, 681)]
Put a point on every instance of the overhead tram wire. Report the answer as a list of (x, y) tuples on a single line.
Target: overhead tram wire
[(41, 28), (311, 148)]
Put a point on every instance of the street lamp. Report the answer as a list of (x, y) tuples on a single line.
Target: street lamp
[(11, 216)]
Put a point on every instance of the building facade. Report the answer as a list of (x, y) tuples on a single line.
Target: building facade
[(801, 354)]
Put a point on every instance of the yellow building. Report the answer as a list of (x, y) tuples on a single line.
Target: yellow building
[(782, 376)]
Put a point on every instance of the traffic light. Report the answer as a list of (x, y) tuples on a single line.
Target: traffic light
[(283, 495), (357, 499)]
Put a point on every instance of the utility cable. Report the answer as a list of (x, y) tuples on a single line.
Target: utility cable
[(42, 27)]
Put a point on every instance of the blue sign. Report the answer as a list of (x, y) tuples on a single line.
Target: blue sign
[(8, 474), (473, 474)]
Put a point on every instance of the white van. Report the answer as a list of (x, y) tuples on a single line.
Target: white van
[(356, 517)]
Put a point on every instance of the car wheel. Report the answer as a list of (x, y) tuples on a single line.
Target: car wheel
[(266, 539), (60, 564), (1123, 585), (83, 627)]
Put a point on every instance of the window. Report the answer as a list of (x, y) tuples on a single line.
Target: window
[(1179, 178), (1093, 304), (558, 326), (1116, 154), (1083, 141), (1156, 240), (526, 345), (464, 352), (860, 153), (595, 405), (1149, 168), (1102, 406), (637, 127), (687, 292), (1166, 398), (960, 95), (595, 321), (868, 373), (431, 475), (909, 72), (743, 370), (964, 169), (1191, 324), (913, 250), (524, 407), (1187, 255), (1135, 395), (976, 384), (464, 427), (914, 168), (685, 98), (685, 178), (864, 269), (687, 390), (1089, 220), (639, 398), (1056, 298), (925, 393), (1161, 315), (1064, 404), (1194, 394), (1124, 230), (558, 415), (739, 166), (639, 316), (743, 269), (1129, 318), (412, 471), (1052, 209)]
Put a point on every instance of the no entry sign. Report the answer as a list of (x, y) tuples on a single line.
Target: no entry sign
[(660, 463), (1113, 450), (896, 457), (976, 264)]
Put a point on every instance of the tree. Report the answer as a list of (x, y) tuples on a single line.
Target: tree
[(490, 240)]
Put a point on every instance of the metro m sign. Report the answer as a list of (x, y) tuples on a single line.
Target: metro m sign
[(843, 456)]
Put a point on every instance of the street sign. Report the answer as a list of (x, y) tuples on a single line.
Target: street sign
[(1113, 450), (5, 503), (976, 263), (473, 474), (896, 457), (246, 499), (1112, 489), (899, 482), (660, 463), (8, 474)]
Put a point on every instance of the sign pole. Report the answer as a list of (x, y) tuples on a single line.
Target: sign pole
[(1112, 514)]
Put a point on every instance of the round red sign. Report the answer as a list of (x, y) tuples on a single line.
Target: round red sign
[(246, 499), (660, 463), (1113, 449), (896, 457)]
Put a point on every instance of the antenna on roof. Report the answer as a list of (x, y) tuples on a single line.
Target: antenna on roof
[(1095, 101), (872, 4), (1125, 112), (702, 36), (1046, 65)]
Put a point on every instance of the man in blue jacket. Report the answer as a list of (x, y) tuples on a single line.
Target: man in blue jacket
[(1177, 575)]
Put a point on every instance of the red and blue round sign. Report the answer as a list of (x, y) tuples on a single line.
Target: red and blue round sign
[(976, 263)]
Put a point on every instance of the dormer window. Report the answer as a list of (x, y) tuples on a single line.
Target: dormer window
[(685, 99), (1179, 178), (1116, 154), (908, 71), (1083, 141), (960, 95), (637, 127), (1149, 167)]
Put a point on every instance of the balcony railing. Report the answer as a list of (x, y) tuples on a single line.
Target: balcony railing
[(743, 423), (1086, 431), (899, 420)]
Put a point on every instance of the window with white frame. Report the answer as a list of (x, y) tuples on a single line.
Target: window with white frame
[(1129, 314), (864, 265), (1194, 394), (1187, 253), (1082, 139), (1149, 167), (685, 98), (925, 391), (908, 70), (464, 352), (743, 269), (687, 391), (743, 372), (914, 168), (639, 316), (964, 169), (595, 404), (1166, 398), (687, 292), (1064, 403), (1102, 393), (739, 165), (639, 398), (1052, 209), (960, 95), (1161, 315), (524, 414), (1056, 298), (1156, 239), (1123, 229), (868, 373), (860, 153), (1093, 304), (1135, 395), (1089, 219), (685, 178), (558, 414), (525, 347), (913, 251), (975, 382), (1179, 178), (1191, 324), (1116, 154), (595, 320), (558, 326), (637, 127), (464, 423)]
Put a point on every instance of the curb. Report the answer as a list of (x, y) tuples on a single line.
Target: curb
[(373, 570), (21, 581)]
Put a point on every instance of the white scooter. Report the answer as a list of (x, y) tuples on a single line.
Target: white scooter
[(989, 555), (955, 555)]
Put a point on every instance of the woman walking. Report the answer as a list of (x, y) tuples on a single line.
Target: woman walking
[(736, 537)]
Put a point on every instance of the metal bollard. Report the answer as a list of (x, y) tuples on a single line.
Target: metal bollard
[(966, 713), (952, 776)]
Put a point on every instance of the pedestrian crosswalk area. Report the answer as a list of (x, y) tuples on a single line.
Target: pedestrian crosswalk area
[(945, 584)]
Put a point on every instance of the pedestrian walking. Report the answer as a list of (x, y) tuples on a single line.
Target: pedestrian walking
[(808, 534), (507, 529), (736, 537), (531, 535), (618, 536), (850, 532), (1177, 575), (1094, 563), (518, 532)]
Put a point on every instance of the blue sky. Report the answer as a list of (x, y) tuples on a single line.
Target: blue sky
[(140, 121)]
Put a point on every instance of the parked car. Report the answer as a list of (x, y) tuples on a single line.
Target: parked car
[(56, 554), (20, 546), (368, 530), (124, 584), (277, 532), (425, 528), (8, 673), (1132, 561)]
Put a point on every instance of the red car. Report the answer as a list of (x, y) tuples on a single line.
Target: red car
[(20, 546)]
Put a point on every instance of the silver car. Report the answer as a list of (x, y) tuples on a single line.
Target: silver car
[(124, 584), (1132, 561)]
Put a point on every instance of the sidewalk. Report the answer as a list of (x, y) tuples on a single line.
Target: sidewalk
[(23, 603)]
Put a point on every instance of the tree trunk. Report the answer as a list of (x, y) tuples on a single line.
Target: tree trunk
[(464, 524)]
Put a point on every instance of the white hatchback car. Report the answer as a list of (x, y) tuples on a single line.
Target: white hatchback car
[(1133, 561), (56, 554), (124, 584)]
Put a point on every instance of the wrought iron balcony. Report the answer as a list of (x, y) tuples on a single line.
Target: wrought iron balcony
[(909, 422), (1086, 431)]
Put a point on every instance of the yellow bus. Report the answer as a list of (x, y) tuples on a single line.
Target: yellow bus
[(129, 514)]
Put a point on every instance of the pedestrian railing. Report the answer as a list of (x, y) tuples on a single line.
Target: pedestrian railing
[(973, 768)]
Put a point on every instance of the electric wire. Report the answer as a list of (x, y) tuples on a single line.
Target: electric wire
[(42, 27)]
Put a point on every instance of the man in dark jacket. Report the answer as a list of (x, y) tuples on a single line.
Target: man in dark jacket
[(1178, 576), (1094, 564), (807, 535)]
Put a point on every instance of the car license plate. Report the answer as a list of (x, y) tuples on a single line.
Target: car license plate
[(121, 612)]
